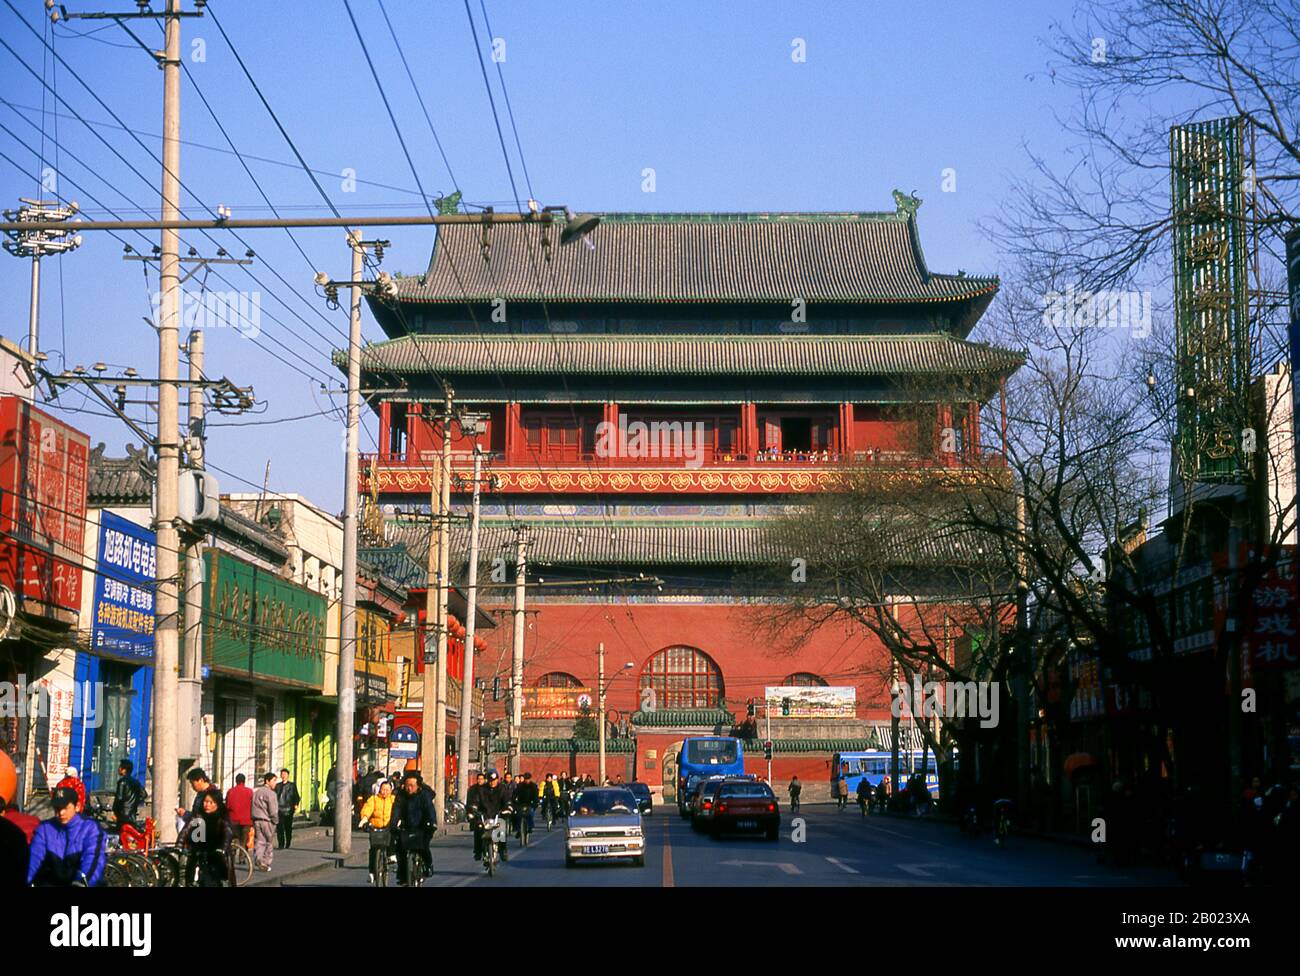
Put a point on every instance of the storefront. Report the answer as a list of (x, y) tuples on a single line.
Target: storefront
[(119, 665), (264, 648)]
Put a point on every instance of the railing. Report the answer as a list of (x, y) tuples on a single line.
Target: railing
[(821, 459)]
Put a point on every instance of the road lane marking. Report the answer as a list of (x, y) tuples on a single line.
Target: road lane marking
[(919, 870), (785, 866), (668, 858), (842, 866)]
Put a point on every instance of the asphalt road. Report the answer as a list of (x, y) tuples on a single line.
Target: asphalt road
[(837, 848)]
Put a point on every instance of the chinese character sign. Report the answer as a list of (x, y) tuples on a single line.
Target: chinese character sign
[(1271, 629), (124, 588)]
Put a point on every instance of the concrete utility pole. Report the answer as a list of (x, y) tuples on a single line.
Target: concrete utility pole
[(517, 651), (600, 709), (428, 695), (191, 680), (166, 771), (347, 687), (471, 611), (36, 244), (444, 584)]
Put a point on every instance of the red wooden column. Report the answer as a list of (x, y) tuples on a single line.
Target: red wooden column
[(385, 429), (512, 431), (973, 429), (749, 417), (846, 430), (945, 424)]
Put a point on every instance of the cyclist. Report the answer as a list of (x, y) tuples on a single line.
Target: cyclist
[(489, 801), (68, 849), (415, 821), (210, 838), (128, 795), (551, 797), (378, 812), (524, 802)]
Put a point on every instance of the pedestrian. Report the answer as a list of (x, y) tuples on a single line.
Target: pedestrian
[(864, 794), (68, 849), (239, 805), (73, 781), (795, 789), (265, 813), (210, 838), (200, 784), (841, 792), (289, 799), (128, 794)]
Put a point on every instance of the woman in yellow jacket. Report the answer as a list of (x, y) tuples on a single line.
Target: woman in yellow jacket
[(377, 811)]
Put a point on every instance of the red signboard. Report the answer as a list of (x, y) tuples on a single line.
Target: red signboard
[(1271, 626), (42, 507)]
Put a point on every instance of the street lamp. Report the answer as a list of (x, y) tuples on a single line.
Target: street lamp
[(602, 686)]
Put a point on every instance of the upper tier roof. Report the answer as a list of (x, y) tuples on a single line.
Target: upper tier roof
[(854, 258)]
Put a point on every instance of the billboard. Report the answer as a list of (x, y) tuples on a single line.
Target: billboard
[(258, 625), (1208, 168), (555, 703), (43, 467), (812, 701), (123, 608)]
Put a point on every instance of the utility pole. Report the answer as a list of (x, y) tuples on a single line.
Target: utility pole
[(444, 571), (517, 653), (36, 244), (166, 769), (471, 611), (600, 707), (347, 687), (191, 681)]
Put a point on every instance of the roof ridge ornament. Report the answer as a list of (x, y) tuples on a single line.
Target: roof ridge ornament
[(906, 205)]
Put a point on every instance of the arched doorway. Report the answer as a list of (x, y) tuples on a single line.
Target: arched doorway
[(668, 770)]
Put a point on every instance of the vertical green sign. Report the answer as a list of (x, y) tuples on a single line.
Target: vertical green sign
[(1207, 172), (258, 625)]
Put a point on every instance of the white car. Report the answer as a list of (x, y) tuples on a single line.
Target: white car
[(604, 824)]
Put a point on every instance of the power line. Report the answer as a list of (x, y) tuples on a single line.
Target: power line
[(509, 110)]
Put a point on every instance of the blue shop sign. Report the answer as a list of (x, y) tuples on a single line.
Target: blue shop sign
[(123, 621)]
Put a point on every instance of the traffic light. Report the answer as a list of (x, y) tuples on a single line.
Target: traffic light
[(749, 708), (785, 706), (496, 689), (767, 749)]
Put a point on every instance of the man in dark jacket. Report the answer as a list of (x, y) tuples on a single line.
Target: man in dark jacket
[(287, 793), (128, 794), (415, 821), (524, 800), (490, 801), (67, 849)]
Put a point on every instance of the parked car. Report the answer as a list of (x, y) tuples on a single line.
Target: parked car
[(702, 809), (744, 805), (604, 824), (645, 802)]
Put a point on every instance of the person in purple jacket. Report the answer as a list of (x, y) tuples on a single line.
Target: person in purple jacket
[(67, 849)]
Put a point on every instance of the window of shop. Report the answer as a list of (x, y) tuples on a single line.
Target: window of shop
[(265, 724), (683, 677), (113, 739)]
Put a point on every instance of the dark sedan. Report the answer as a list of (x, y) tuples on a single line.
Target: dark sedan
[(644, 801), (745, 806)]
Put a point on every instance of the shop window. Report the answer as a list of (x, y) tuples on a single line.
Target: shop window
[(804, 679)]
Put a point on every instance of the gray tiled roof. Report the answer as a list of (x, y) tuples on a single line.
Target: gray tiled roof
[(647, 355), (118, 481), (760, 257)]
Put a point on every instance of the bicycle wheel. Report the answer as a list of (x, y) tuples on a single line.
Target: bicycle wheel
[(241, 863), (130, 867), (115, 876), (524, 831), (147, 868), (412, 869), (169, 867), (381, 867), (490, 858)]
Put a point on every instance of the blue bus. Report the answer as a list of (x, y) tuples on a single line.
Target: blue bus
[(873, 765), (711, 755)]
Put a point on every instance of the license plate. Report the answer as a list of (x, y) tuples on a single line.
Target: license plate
[(598, 849), (746, 823)]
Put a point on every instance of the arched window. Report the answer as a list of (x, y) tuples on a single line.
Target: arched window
[(558, 679), (804, 679), (683, 677)]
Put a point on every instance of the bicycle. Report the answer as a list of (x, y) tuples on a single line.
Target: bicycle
[(241, 865), (379, 841), (525, 826), (1001, 821), (494, 833)]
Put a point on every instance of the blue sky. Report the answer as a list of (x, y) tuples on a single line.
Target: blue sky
[(705, 93)]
